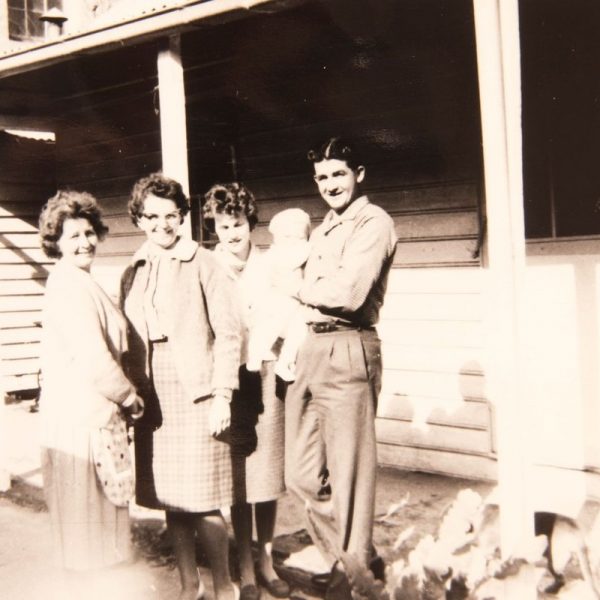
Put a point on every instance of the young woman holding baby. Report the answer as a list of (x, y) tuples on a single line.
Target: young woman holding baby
[(231, 212)]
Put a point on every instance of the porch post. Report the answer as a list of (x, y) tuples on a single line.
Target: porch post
[(498, 60), (173, 132), (4, 471), (4, 42)]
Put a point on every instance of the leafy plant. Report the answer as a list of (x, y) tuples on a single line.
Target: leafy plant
[(462, 562)]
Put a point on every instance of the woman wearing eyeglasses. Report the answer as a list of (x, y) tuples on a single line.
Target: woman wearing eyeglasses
[(184, 353)]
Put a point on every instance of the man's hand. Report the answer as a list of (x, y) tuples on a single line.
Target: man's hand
[(219, 416)]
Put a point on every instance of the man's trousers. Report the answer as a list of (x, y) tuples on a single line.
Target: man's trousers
[(329, 427)]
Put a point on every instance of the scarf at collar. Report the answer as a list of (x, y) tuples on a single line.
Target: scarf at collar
[(235, 264), (183, 249)]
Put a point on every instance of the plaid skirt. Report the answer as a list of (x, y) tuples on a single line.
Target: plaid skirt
[(180, 466)]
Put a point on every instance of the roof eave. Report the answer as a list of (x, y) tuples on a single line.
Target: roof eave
[(147, 26)]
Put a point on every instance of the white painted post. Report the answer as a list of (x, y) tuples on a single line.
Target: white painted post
[(498, 55), (4, 470), (173, 132), (4, 41)]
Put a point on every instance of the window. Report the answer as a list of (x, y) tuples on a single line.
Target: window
[(560, 53), (24, 18)]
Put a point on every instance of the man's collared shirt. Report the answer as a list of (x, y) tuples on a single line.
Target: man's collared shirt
[(351, 254)]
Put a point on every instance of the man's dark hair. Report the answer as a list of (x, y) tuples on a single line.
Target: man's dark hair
[(336, 148)]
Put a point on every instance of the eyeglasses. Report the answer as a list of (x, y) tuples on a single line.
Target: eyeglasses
[(170, 218)]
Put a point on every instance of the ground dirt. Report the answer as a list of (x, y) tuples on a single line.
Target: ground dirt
[(25, 551)]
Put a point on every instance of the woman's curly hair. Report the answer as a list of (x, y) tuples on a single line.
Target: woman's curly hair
[(161, 186), (231, 199), (67, 204)]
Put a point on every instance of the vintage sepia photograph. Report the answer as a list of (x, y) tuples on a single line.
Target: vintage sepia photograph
[(299, 299)]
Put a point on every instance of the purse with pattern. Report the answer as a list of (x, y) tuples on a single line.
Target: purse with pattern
[(112, 460)]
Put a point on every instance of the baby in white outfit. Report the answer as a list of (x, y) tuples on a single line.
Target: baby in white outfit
[(281, 316)]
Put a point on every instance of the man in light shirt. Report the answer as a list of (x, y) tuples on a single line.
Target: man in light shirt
[(331, 406)]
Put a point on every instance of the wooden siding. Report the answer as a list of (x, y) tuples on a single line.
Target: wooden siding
[(109, 137), (26, 182), (254, 113), (106, 137), (433, 413)]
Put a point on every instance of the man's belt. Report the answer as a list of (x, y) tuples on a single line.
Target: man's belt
[(329, 326)]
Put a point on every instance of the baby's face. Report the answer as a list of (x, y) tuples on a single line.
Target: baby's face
[(289, 237)]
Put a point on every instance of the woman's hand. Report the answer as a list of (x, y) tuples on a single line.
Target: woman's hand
[(219, 416), (135, 409)]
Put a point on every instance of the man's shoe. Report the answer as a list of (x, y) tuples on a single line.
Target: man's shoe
[(377, 567), (320, 581), (339, 587)]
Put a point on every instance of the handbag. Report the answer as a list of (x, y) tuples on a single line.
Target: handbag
[(246, 405), (112, 460)]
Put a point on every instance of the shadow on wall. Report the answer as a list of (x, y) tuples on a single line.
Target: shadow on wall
[(26, 256)]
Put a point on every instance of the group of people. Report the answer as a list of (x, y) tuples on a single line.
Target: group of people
[(192, 357)]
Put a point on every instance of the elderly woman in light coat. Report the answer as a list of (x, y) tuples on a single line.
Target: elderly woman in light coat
[(83, 343)]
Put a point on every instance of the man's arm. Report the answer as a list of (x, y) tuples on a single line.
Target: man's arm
[(365, 253)]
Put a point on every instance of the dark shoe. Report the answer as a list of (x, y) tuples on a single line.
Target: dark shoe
[(276, 587), (339, 587), (249, 592), (377, 567), (320, 581)]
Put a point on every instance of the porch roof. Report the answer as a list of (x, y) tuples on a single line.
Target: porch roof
[(156, 22)]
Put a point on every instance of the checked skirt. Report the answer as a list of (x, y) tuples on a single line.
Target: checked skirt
[(179, 465)]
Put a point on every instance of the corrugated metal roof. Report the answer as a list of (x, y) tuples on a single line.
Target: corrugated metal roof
[(46, 136)]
